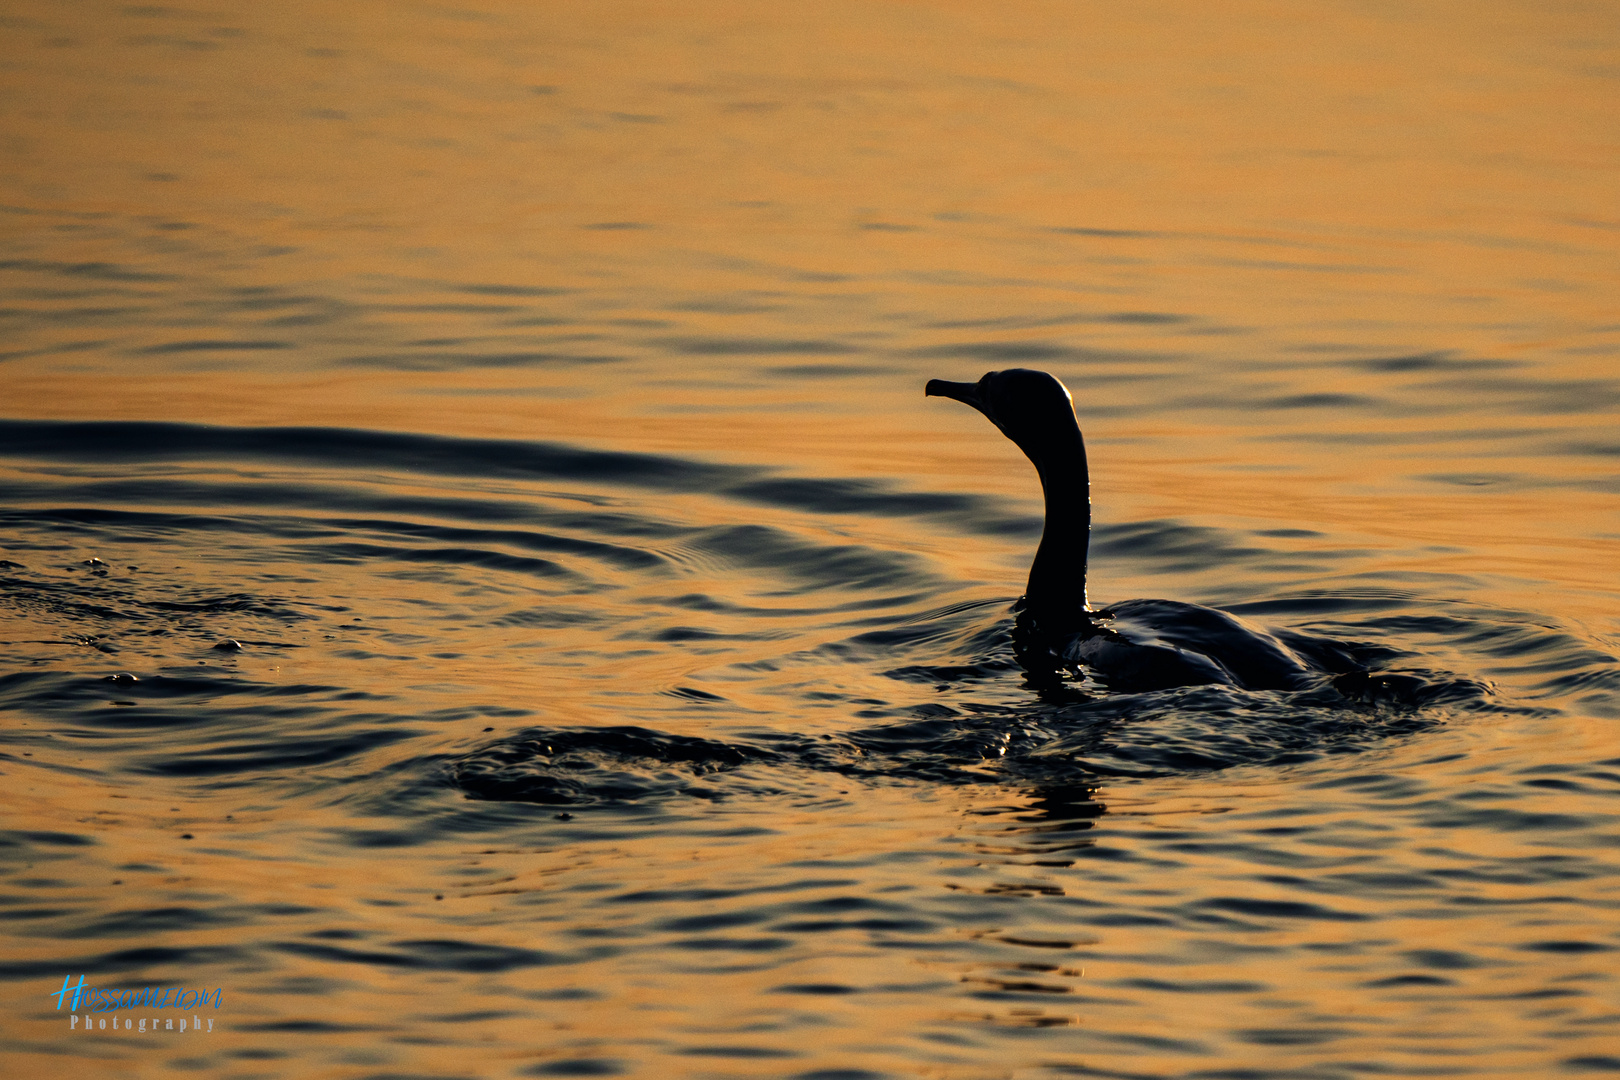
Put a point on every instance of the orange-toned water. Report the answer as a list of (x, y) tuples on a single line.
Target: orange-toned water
[(507, 377)]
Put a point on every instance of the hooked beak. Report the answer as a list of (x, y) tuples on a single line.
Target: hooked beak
[(965, 392)]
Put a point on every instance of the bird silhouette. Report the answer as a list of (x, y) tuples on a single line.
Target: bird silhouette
[(1133, 645)]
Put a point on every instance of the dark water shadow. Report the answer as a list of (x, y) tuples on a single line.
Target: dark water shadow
[(1046, 732)]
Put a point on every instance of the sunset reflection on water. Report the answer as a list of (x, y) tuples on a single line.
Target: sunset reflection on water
[(505, 374)]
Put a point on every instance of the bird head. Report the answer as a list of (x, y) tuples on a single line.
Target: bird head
[(1031, 408)]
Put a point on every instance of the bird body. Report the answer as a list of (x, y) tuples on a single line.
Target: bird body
[(1133, 645), (1157, 644)]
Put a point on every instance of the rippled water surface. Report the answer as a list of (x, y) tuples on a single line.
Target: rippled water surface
[(482, 586)]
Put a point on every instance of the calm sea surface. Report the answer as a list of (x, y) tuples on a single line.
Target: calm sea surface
[(533, 393)]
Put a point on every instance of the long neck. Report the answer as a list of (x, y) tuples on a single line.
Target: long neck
[(1056, 594)]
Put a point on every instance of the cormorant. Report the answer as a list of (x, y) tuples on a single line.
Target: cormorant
[(1133, 645)]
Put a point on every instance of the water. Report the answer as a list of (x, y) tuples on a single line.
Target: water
[(625, 682)]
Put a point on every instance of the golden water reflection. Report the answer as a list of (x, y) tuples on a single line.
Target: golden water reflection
[(1340, 272)]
